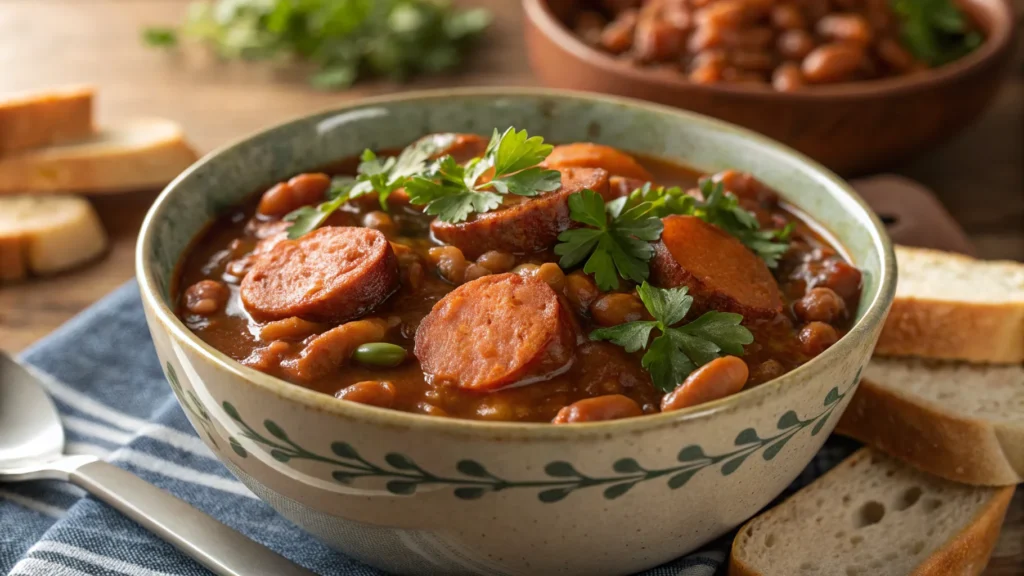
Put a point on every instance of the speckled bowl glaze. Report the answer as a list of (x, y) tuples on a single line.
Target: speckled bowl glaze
[(415, 494)]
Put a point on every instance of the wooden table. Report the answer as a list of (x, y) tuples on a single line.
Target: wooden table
[(979, 176)]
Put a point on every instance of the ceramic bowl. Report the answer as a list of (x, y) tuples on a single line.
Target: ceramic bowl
[(851, 128), (415, 494)]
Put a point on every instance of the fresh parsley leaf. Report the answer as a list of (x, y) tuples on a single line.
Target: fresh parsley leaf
[(344, 39), (617, 243), (513, 157), (677, 351), (935, 31), (309, 218)]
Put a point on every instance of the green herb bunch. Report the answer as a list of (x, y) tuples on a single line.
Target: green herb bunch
[(678, 350), (935, 31), (345, 39)]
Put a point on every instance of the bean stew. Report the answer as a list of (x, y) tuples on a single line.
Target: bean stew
[(509, 280), (786, 44)]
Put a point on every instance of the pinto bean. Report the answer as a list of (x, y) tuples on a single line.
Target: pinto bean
[(206, 297), (497, 261), (371, 392), (599, 409), (302, 190), (617, 308), (794, 44), (719, 378), (581, 291), (380, 221), (816, 337), (834, 62), (820, 305), (787, 78), (845, 27), (290, 329), (617, 37), (788, 17)]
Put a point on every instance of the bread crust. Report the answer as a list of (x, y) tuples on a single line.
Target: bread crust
[(969, 331), (968, 552), (954, 447), (73, 169), (47, 117)]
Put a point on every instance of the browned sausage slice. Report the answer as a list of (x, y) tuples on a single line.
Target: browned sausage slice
[(332, 274), (522, 225), (496, 331), (720, 271), (588, 155)]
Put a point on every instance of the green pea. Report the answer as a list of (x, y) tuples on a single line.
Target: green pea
[(382, 354)]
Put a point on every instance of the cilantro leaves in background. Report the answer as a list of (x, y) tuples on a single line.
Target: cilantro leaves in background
[(935, 31), (345, 39), (616, 241), (453, 192), (677, 351)]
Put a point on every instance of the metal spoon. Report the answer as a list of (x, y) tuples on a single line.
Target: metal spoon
[(32, 447)]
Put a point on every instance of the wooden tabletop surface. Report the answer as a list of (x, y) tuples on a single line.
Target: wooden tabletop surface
[(979, 176)]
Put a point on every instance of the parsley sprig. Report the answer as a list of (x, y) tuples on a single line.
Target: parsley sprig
[(344, 40), (452, 192), (444, 187), (723, 209), (616, 239), (678, 350)]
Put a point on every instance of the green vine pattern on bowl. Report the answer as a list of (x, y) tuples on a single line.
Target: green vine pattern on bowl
[(404, 476), (191, 403)]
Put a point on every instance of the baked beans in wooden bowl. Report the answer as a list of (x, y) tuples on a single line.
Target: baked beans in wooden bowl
[(444, 345), (856, 84)]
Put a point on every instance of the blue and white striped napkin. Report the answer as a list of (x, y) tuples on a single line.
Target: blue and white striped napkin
[(116, 404)]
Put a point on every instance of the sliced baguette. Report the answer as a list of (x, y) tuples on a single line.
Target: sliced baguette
[(960, 421), (34, 119), (873, 516), (143, 154), (955, 307), (47, 234)]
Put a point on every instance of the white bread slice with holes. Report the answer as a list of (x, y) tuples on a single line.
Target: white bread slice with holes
[(955, 307), (137, 155), (963, 422), (40, 118), (47, 234), (873, 516)]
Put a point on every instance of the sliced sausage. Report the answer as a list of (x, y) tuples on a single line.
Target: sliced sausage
[(587, 155), (720, 271), (495, 331), (522, 225), (332, 274)]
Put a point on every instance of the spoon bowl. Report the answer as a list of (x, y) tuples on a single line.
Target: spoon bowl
[(32, 447)]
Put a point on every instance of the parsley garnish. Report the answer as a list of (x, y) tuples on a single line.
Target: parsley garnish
[(720, 208), (309, 218), (344, 39), (617, 241), (452, 192), (386, 176), (935, 31), (678, 351)]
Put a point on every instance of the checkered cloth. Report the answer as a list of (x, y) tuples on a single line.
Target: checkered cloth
[(115, 403)]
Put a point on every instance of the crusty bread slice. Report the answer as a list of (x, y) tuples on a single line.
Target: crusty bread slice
[(955, 307), (47, 234), (34, 119), (143, 154), (870, 516), (964, 422)]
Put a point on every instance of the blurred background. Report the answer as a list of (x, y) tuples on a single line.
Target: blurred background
[(142, 63)]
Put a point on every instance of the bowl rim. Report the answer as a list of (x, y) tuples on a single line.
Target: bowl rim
[(998, 40), (310, 399)]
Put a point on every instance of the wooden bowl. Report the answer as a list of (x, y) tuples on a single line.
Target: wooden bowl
[(852, 128)]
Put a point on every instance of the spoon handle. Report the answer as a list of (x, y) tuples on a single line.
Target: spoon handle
[(212, 544)]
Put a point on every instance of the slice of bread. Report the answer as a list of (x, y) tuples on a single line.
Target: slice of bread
[(955, 307), (961, 421), (870, 516), (34, 119), (144, 154), (47, 234)]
